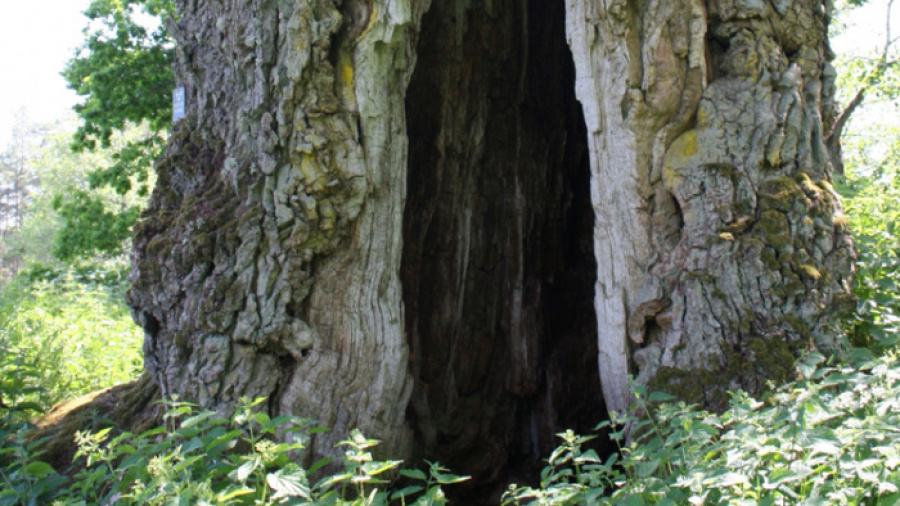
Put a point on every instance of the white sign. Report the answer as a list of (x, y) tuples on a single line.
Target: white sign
[(177, 104)]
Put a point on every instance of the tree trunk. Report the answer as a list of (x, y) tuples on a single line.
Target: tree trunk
[(720, 244), (395, 215), (268, 261)]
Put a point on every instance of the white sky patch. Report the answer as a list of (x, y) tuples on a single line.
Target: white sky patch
[(864, 29), (863, 34), (37, 37)]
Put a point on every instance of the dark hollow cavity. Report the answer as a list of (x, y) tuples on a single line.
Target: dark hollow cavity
[(498, 266)]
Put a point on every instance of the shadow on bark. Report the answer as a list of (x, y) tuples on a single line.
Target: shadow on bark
[(498, 268)]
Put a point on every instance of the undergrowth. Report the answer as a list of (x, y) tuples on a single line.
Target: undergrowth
[(201, 458), (832, 438), (871, 191), (71, 326)]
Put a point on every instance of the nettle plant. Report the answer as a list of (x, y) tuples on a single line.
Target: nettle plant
[(831, 438), (70, 324), (201, 458), (24, 479)]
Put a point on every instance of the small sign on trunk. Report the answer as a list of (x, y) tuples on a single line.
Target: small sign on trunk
[(177, 103)]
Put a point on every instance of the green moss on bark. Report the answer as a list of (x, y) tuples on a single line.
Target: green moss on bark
[(762, 364)]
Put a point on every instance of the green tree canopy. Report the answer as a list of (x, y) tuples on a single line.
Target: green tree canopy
[(123, 70)]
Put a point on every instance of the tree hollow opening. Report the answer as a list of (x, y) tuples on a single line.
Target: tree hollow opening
[(498, 266)]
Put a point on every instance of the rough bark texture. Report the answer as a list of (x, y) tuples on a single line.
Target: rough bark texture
[(720, 243), (268, 261), (687, 196)]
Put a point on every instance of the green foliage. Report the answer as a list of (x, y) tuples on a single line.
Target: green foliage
[(873, 70), (881, 82), (62, 209), (72, 329), (97, 216), (23, 478), (19, 181), (91, 228), (202, 458), (120, 49), (124, 72), (871, 190), (56, 169), (871, 185), (829, 439)]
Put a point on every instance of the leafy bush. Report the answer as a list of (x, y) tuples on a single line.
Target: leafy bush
[(72, 328), (23, 478), (829, 439), (201, 458), (871, 193)]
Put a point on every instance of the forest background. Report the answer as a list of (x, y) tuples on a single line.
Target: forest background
[(71, 189)]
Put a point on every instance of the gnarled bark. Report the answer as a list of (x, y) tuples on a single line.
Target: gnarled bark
[(267, 263), (720, 243)]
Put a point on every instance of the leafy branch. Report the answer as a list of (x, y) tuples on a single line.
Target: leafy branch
[(872, 78)]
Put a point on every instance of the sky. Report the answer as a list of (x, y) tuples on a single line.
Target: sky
[(865, 31), (37, 37)]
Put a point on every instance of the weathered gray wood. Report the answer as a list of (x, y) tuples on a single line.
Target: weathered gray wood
[(720, 243), (267, 263)]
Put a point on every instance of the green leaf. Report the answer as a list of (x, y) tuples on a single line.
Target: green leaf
[(448, 479), (646, 469), (229, 494), (415, 474), (229, 438), (319, 464), (889, 500), (288, 484), (246, 469), (196, 419), (39, 469), (333, 480), (732, 479), (588, 456), (825, 447), (661, 397), (376, 468), (405, 492)]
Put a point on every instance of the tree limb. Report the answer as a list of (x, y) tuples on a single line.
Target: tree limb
[(833, 141)]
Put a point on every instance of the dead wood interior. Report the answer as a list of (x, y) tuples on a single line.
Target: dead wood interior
[(498, 267)]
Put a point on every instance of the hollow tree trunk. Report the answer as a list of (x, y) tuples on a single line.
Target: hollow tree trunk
[(498, 269), (396, 215)]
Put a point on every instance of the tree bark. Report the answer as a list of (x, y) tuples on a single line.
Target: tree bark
[(267, 262), (395, 215), (721, 248)]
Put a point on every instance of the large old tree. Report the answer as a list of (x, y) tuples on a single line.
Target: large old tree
[(461, 225)]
